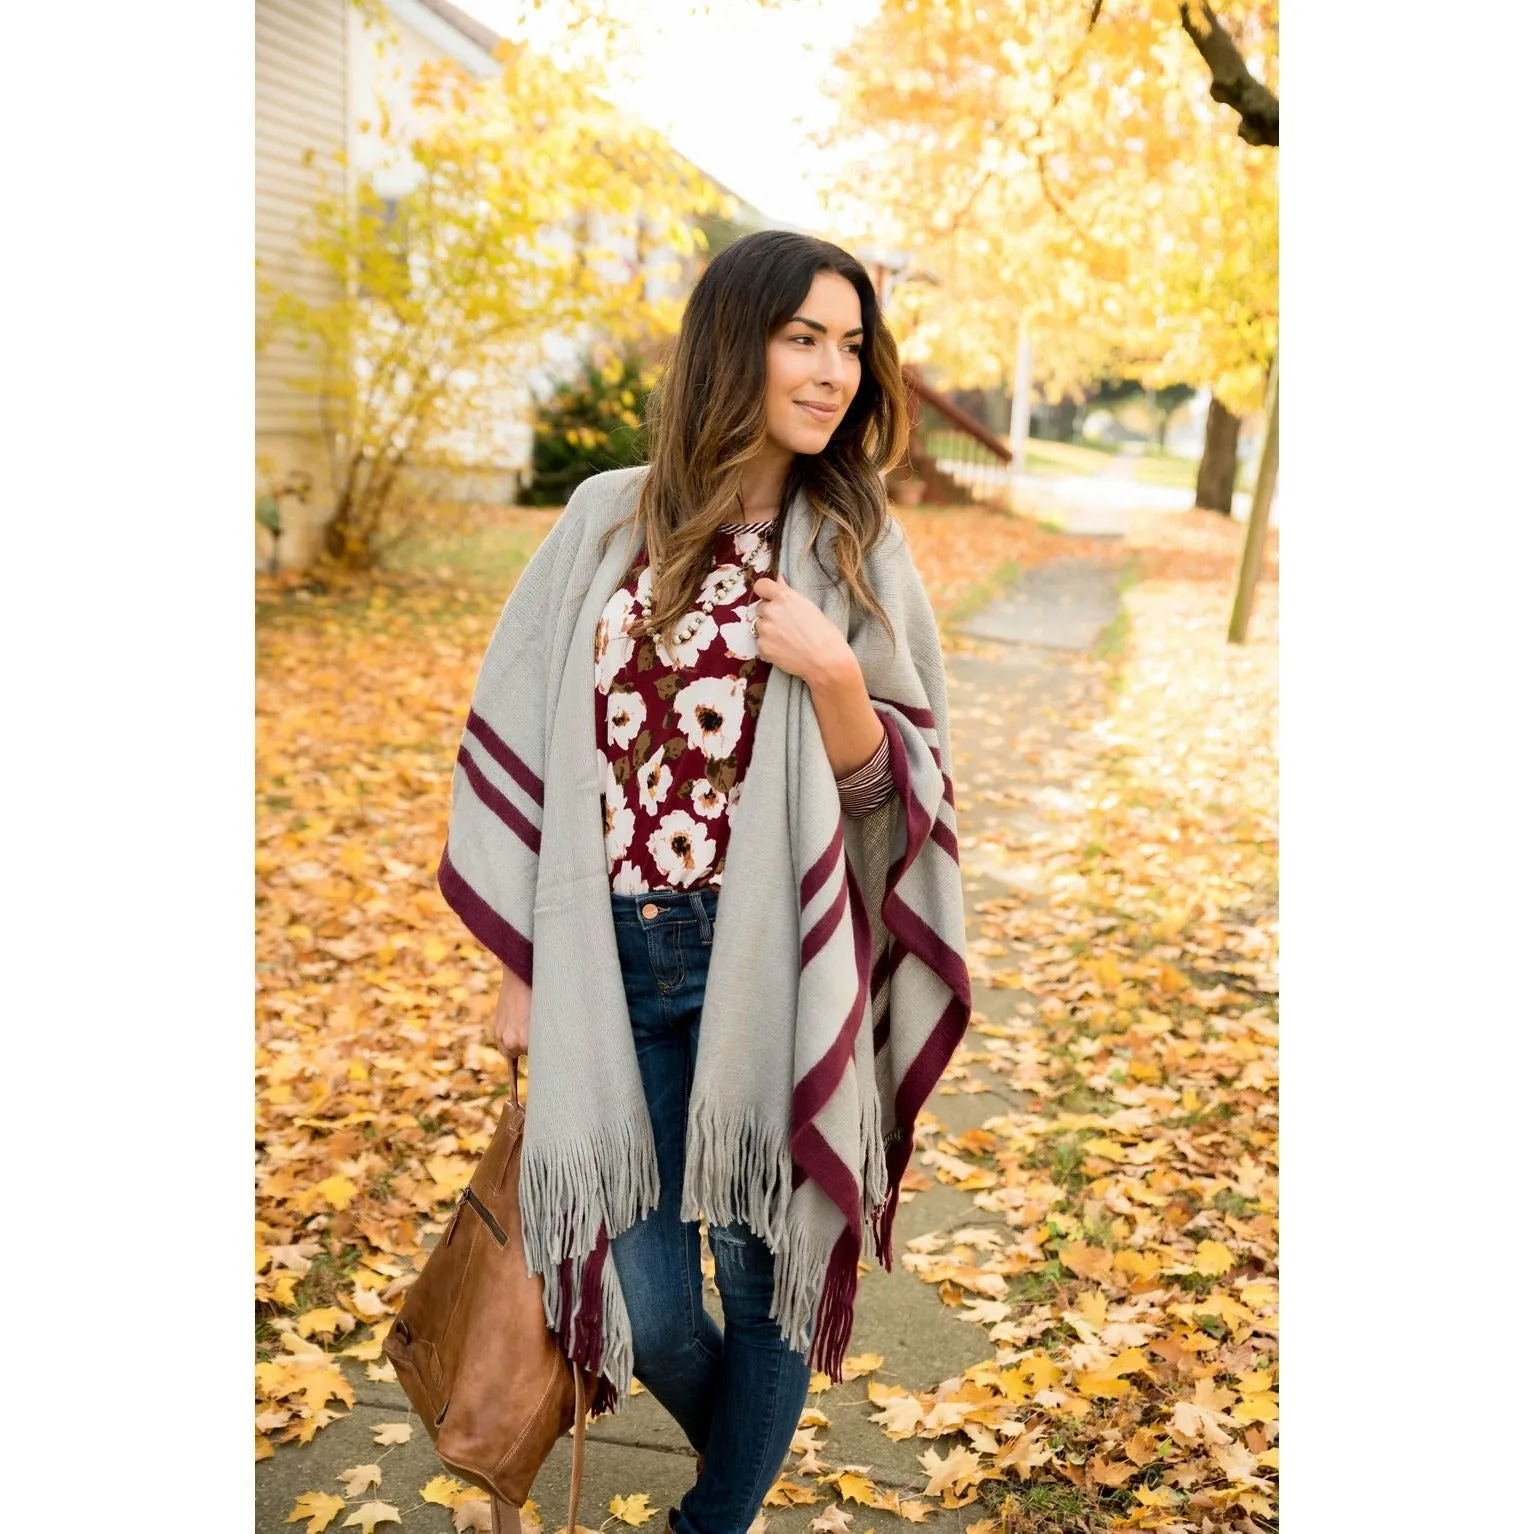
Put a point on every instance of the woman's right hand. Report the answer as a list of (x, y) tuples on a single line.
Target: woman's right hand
[(509, 1025)]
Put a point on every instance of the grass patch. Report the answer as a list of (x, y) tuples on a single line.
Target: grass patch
[(1042, 1508), (322, 1284), (1114, 638), (981, 592), (1038, 1284), (485, 552)]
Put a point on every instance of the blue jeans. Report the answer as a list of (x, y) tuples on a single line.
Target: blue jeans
[(736, 1394)]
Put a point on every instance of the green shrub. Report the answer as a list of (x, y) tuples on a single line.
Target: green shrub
[(594, 422)]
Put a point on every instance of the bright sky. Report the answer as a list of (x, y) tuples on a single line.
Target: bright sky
[(734, 89)]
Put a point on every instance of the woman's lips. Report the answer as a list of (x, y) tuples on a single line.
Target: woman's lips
[(820, 412)]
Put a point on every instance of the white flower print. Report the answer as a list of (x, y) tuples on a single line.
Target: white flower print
[(753, 551), (731, 800), (654, 781), (727, 583), (710, 712), (625, 714), (617, 819), (706, 799), (682, 848), (613, 645), (739, 637), (694, 634), (628, 880)]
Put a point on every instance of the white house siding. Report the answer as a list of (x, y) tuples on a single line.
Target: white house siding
[(319, 71), (301, 105)]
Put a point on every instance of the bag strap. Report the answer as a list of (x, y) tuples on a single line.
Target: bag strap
[(578, 1460)]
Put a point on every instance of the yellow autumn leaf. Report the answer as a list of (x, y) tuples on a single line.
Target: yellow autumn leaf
[(323, 1322), (859, 1364), (1138, 1265), (956, 1471), (1087, 1262), (853, 1486), (1261, 1406), (1213, 1258), (444, 1491), (391, 1433), (337, 1191), (319, 1507), (1093, 1305), (370, 1515), (472, 1515), (1102, 1386), (633, 1510), (1028, 1376), (785, 1492), (899, 1416), (450, 1172), (283, 1286), (360, 1478), (1172, 981)]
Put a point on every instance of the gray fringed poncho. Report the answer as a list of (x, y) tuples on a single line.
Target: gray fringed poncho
[(837, 987)]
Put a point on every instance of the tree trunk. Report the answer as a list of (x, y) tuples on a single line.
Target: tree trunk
[(1257, 523), (1217, 468)]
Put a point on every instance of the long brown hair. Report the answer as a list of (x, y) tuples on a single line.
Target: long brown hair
[(708, 416)]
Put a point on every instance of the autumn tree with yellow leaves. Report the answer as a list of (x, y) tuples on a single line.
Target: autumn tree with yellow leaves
[(1083, 170), (531, 196)]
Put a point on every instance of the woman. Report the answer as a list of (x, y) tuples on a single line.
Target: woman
[(750, 1049)]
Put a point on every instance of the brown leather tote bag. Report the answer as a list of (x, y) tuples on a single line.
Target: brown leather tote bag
[(472, 1349)]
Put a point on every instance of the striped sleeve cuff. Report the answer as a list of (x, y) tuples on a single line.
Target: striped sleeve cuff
[(865, 788)]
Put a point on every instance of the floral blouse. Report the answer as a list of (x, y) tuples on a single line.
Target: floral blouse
[(675, 722)]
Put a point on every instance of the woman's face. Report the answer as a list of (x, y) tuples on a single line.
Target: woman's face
[(814, 365)]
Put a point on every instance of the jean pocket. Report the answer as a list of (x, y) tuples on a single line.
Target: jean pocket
[(666, 961)]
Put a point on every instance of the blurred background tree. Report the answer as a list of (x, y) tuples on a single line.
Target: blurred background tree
[(594, 422), (526, 189), (1060, 167)]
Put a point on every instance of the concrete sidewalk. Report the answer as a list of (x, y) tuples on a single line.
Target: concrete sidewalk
[(1013, 700)]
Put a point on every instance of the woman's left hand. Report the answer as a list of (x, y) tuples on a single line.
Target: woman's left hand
[(793, 634)]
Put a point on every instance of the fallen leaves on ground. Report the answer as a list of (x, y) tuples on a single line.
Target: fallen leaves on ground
[(446, 1491), (1126, 1275), (370, 1515), (360, 1478), (1122, 1262), (318, 1508), (377, 1087), (633, 1510)]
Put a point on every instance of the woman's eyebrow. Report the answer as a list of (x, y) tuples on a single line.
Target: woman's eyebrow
[(856, 330)]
